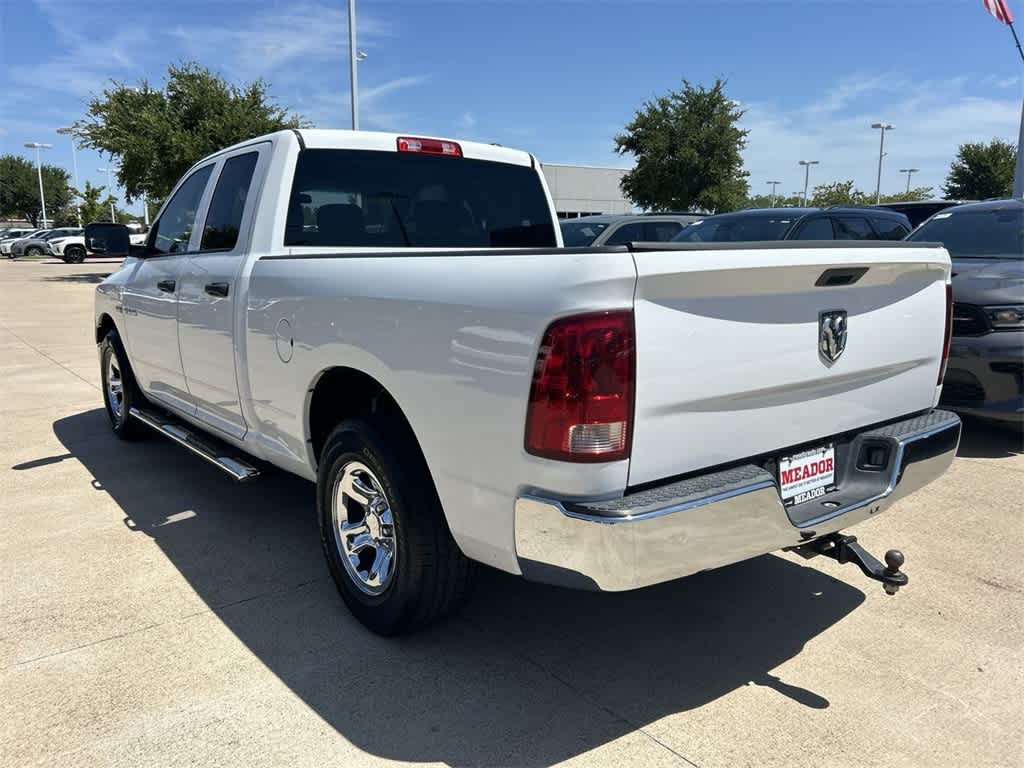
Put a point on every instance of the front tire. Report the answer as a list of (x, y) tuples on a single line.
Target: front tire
[(383, 531), (120, 392), (34, 251)]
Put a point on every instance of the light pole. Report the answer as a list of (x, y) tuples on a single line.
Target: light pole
[(39, 172), (909, 172), (774, 185), (807, 175), (110, 182), (881, 146), (354, 57), (74, 167)]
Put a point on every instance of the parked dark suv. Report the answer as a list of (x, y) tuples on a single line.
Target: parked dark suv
[(985, 376), (835, 223)]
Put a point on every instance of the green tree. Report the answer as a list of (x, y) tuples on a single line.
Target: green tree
[(917, 193), (687, 146), (19, 190), (158, 133), (839, 193), (93, 205), (981, 171)]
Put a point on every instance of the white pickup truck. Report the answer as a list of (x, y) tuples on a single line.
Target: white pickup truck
[(394, 318)]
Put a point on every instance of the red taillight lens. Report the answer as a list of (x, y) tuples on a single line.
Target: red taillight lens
[(949, 333), (429, 146), (581, 401)]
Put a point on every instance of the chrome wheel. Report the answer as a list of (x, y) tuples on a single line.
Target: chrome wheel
[(115, 386), (364, 528)]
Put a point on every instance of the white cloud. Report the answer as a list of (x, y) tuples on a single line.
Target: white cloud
[(77, 62), (931, 117), (282, 42)]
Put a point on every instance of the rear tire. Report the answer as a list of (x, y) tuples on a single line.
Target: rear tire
[(391, 554), (74, 254), (34, 250), (120, 391)]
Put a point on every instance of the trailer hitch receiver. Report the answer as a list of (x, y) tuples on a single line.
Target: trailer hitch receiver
[(845, 549)]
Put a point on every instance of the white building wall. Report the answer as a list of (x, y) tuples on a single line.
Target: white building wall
[(578, 189)]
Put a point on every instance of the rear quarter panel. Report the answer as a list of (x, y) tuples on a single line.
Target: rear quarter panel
[(453, 339)]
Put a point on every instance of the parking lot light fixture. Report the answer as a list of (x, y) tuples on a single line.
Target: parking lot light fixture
[(774, 185), (74, 168), (110, 182), (909, 172), (881, 153), (807, 175), (36, 145)]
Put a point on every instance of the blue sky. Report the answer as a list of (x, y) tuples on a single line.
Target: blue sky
[(557, 77)]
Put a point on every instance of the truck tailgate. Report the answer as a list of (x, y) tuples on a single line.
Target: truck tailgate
[(728, 360)]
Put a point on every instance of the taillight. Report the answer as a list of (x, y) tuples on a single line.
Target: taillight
[(949, 333), (581, 401), (429, 146)]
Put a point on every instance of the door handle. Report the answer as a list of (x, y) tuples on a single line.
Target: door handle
[(167, 286), (217, 289)]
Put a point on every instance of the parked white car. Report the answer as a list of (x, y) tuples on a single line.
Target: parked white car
[(394, 319), (73, 250)]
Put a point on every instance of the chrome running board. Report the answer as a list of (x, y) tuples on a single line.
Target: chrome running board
[(201, 445)]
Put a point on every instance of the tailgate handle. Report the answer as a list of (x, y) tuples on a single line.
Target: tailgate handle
[(842, 276)]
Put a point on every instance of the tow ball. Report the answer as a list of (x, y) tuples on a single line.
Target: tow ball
[(845, 549)]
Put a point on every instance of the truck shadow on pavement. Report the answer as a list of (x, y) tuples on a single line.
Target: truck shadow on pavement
[(981, 440), (528, 675)]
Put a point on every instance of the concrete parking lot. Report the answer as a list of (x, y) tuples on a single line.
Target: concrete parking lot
[(154, 614)]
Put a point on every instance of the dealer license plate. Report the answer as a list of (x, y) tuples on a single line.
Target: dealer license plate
[(807, 475)]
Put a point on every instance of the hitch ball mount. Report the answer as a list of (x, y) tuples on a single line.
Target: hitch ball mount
[(845, 549)]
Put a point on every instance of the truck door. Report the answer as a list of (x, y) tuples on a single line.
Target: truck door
[(208, 292), (150, 298)]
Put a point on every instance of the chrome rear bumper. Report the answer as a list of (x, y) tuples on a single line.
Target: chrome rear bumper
[(719, 518)]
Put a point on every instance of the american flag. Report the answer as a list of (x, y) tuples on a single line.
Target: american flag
[(999, 9)]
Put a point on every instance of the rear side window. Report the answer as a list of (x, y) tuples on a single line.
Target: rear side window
[(819, 228), (173, 230), (889, 229), (854, 228), (627, 233), (224, 218), (400, 199), (661, 231)]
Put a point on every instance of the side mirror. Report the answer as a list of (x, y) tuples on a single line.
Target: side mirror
[(106, 239)]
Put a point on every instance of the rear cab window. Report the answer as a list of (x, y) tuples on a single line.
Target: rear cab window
[(379, 199)]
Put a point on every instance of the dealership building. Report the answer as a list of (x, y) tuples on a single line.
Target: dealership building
[(583, 190)]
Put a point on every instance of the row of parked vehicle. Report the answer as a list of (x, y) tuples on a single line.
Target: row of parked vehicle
[(41, 242), (66, 243), (885, 222)]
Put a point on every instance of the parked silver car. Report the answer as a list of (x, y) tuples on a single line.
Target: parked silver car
[(589, 231), (13, 236), (37, 246)]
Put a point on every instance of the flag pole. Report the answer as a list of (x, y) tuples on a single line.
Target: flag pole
[(1016, 40)]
